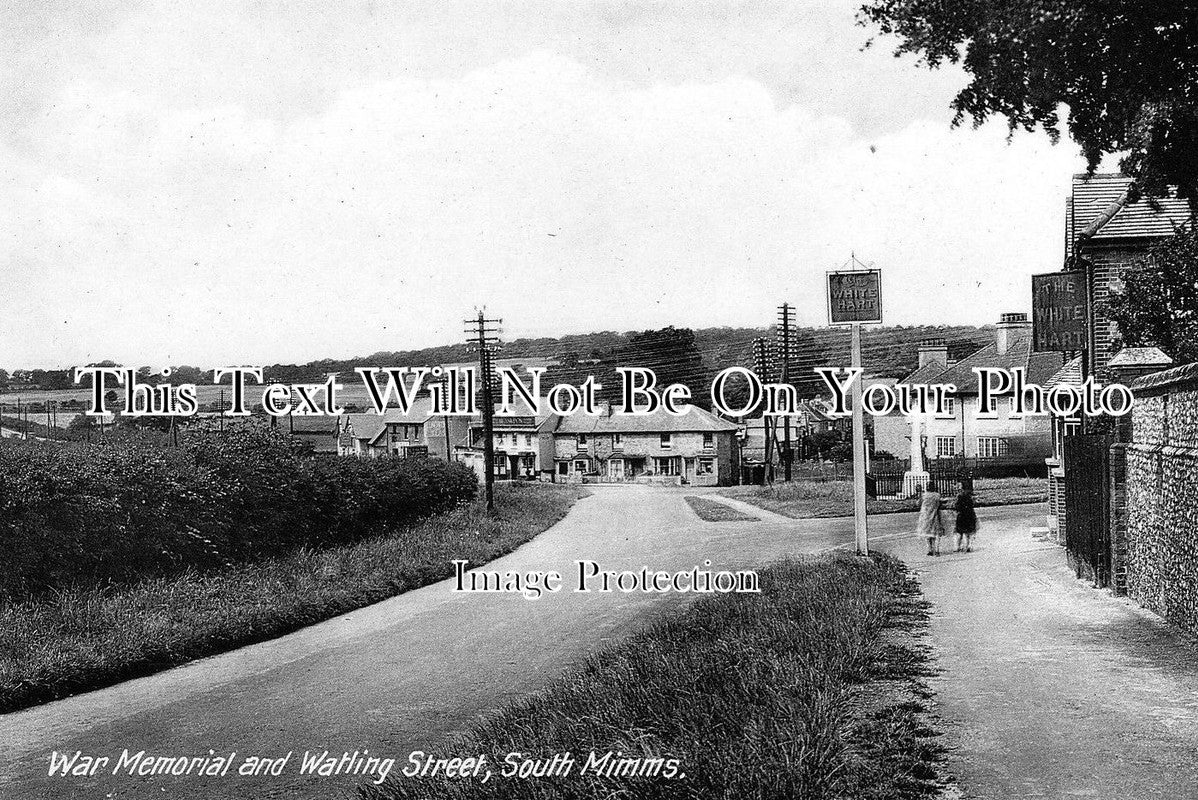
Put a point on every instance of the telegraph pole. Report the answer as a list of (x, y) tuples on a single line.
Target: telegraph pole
[(785, 313), (446, 399), (764, 367), (484, 334)]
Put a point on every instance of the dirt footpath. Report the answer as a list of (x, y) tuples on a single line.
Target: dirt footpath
[(1052, 689)]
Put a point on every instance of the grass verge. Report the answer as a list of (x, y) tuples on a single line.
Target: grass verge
[(807, 499), (714, 511), (812, 689), (79, 639)]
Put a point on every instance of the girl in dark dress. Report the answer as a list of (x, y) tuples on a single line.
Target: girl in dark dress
[(967, 519)]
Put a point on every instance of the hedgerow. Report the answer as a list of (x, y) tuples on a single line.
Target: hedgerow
[(82, 514)]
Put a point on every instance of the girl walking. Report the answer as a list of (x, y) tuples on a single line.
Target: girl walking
[(967, 519), (930, 524)]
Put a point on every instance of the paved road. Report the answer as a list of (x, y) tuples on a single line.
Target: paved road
[(1049, 689), (402, 675), (1052, 689)]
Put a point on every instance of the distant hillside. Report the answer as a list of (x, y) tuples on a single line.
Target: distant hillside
[(886, 351)]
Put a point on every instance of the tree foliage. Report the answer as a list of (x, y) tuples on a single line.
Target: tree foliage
[(1159, 302), (1121, 73)]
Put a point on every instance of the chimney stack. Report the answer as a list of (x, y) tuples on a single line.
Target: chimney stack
[(1011, 326), (933, 351)]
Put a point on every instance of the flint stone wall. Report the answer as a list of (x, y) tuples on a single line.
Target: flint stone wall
[(1161, 557)]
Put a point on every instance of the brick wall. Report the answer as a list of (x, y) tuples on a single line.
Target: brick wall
[(1160, 549), (1109, 264)]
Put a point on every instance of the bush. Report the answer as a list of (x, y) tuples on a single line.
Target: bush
[(82, 638), (83, 514)]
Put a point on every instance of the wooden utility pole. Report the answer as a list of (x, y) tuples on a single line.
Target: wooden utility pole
[(763, 365), (784, 321), (484, 334), (445, 417)]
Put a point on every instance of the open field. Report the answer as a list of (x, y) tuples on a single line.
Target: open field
[(77, 639), (803, 499), (810, 690), (353, 394)]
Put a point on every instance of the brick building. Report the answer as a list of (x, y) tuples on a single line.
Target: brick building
[(1105, 235)]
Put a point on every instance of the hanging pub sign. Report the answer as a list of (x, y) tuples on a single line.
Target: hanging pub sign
[(1059, 311), (855, 296)]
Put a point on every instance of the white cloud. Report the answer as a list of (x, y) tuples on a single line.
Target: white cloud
[(564, 199)]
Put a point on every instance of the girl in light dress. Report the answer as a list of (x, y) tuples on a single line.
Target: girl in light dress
[(930, 524)]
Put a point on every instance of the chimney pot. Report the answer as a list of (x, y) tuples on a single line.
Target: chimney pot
[(933, 351), (1010, 326)]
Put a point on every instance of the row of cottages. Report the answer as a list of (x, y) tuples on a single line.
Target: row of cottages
[(695, 448), (419, 432), (961, 431)]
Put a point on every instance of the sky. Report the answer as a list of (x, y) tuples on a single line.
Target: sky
[(263, 182)]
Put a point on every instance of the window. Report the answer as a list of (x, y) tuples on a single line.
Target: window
[(582, 441), (665, 466), (709, 440), (665, 440), (705, 466), (528, 440), (617, 440), (580, 466), (562, 468), (946, 446), (950, 407), (515, 440), (991, 447)]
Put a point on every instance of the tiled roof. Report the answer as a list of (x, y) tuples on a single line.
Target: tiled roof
[(928, 373), (1038, 367), (1140, 357), (695, 419), (365, 426), (1098, 208), (321, 431), (1069, 375), (420, 410)]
